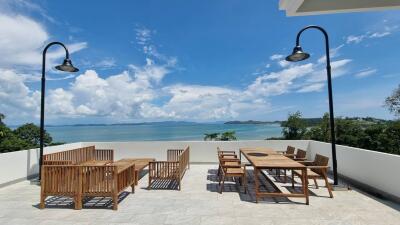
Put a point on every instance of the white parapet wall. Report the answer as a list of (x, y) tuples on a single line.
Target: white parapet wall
[(372, 169), (375, 170), (21, 165), (200, 151)]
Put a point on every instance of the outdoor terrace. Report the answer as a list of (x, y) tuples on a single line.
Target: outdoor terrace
[(199, 201)]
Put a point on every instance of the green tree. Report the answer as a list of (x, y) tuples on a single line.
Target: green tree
[(228, 136), (392, 138), (320, 132), (295, 127), (393, 102), (31, 133), (2, 117), (211, 136)]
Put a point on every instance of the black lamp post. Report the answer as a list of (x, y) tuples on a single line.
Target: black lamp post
[(66, 67), (299, 55)]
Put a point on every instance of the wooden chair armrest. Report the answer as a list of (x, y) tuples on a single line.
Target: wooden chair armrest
[(229, 159), (318, 167), (231, 166), (306, 162), (300, 159)]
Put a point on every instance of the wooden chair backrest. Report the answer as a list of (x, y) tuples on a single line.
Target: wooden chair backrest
[(290, 149), (320, 160), (301, 153), (220, 152)]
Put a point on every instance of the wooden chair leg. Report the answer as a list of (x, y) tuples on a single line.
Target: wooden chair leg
[(179, 184), (219, 170), (149, 185), (292, 179), (328, 186), (315, 182), (285, 179), (221, 186), (245, 183), (133, 188)]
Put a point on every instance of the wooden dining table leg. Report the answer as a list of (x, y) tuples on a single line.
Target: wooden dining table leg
[(256, 182), (305, 185)]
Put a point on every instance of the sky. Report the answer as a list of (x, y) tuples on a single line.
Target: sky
[(200, 61)]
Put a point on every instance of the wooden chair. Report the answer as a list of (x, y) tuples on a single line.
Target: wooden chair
[(288, 153), (317, 169), (300, 155), (230, 157), (232, 168)]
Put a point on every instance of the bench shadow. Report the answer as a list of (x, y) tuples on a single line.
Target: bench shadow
[(163, 185), (64, 202)]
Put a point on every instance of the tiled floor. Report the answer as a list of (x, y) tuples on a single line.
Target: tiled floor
[(198, 203)]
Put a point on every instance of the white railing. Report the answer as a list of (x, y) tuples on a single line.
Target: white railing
[(373, 169)]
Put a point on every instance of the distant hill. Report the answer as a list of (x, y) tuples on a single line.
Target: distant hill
[(252, 122)]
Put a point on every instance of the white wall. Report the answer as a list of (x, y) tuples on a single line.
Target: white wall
[(200, 151), (19, 165), (375, 169)]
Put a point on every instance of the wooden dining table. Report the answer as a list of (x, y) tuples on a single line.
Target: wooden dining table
[(262, 158)]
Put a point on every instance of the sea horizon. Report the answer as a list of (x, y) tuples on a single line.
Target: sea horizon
[(158, 131)]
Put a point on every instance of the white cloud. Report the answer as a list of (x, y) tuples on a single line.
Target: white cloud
[(379, 34), (276, 57), (365, 73), (311, 88), (283, 63), (22, 40), (355, 39)]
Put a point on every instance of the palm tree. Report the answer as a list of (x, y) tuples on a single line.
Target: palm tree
[(228, 136), (211, 136)]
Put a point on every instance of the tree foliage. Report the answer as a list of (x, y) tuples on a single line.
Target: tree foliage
[(295, 127), (392, 102), (372, 134), (26, 136), (225, 136)]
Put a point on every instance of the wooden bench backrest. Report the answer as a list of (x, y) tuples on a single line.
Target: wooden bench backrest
[(77, 156)]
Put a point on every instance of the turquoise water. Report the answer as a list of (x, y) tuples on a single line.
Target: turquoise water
[(160, 132)]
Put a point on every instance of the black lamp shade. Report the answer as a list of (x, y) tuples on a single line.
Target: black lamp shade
[(67, 66), (297, 55)]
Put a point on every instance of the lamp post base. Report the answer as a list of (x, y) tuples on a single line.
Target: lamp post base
[(341, 187)]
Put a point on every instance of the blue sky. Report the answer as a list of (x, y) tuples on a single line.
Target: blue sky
[(190, 60)]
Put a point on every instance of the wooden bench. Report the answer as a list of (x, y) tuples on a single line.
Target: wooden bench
[(77, 181), (78, 156), (173, 169)]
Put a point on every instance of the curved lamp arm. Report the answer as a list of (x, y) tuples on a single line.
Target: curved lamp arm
[(45, 51), (328, 62)]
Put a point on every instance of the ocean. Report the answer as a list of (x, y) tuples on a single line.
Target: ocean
[(159, 132)]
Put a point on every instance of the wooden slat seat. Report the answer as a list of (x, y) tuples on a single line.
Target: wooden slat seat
[(310, 173)]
